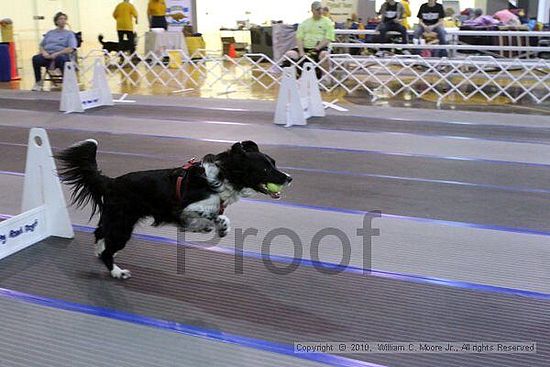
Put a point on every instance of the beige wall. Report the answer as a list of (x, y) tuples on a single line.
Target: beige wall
[(213, 14), (89, 16)]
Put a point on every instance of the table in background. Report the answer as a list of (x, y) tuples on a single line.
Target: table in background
[(160, 42)]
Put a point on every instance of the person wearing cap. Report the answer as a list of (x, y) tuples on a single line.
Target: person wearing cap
[(55, 49), (313, 36)]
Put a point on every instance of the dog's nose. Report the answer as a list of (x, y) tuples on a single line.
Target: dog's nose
[(288, 179)]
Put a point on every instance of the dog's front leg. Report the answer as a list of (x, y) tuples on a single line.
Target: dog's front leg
[(220, 222), (194, 223)]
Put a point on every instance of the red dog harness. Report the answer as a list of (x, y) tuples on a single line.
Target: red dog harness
[(191, 163)]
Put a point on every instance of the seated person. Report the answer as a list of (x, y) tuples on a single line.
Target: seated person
[(480, 20), (450, 20), (326, 13), (507, 18), (55, 49), (392, 13), (312, 37), (431, 15)]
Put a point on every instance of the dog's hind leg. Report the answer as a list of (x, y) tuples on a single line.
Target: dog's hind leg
[(99, 245), (117, 234), (112, 245), (99, 239)]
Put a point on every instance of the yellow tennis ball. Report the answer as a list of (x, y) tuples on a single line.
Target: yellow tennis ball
[(271, 187)]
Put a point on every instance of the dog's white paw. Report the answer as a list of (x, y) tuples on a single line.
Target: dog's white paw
[(223, 225), (119, 273)]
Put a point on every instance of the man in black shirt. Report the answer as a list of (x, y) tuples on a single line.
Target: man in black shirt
[(431, 15), (392, 12)]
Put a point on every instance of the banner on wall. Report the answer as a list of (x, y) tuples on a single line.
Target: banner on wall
[(178, 14), (340, 10)]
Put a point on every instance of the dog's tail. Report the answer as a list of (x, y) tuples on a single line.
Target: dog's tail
[(100, 38), (78, 169)]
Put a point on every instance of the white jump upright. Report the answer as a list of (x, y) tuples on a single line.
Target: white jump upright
[(44, 210), (73, 100), (300, 99)]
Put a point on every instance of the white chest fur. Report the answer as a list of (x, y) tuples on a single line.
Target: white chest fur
[(205, 214), (209, 205)]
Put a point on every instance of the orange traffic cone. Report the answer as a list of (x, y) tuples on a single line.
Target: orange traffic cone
[(232, 52), (14, 75)]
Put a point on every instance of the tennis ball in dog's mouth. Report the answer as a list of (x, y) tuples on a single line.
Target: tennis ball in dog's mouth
[(271, 187)]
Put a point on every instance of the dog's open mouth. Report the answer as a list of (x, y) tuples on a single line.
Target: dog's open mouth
[(270, 189)]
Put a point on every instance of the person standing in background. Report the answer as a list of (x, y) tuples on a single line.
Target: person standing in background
[(124, 12), (406, 14), (156, 11)]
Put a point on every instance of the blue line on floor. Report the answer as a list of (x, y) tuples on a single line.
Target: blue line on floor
[(402, 217)]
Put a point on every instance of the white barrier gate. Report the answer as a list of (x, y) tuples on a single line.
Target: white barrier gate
[(44, 210), (73, 100), (300, 99)]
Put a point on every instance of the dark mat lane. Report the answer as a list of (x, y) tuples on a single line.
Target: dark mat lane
[(354, 162), (435, 200), (200, 288)]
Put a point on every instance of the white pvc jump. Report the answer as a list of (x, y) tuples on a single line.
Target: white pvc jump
[(300, 99), (74, 100), (43, 210)]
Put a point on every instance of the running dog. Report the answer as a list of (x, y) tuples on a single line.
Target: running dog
[(192, 197)]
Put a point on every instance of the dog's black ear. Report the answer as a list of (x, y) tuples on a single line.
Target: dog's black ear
[(250, 146), (237, 148)]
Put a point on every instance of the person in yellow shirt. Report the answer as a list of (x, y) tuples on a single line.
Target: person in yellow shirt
[(313, 36), (156, 11), (406, 14), (124, 14)]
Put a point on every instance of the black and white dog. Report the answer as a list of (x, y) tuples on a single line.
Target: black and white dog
[(125, 45), (192, 197)]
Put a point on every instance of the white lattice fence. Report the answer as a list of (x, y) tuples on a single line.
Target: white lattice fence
[(476, 76)]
